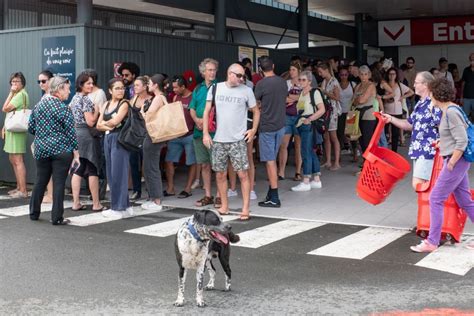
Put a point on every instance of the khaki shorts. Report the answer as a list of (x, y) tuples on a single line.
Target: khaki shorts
[(235, 152), (203, 154)]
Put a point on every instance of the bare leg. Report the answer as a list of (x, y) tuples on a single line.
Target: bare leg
[(94, 188), (337, 150), (251, 165), (20, 172), (272, 174), (232, 177), (327, 150), (76, 188), (245, 187), (191, 175), (206, 178), (283, 155), (221, 178)]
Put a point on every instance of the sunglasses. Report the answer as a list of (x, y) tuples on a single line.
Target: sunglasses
[(240, 76), (42, 81), (302, 79)]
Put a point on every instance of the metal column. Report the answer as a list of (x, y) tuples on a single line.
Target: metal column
[(303, 26), (220, 19), (84, 11), (359, 44)]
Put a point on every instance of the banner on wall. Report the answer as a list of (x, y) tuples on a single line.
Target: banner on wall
[(59, 57), (454, 30), (116, 68), (245, 52)]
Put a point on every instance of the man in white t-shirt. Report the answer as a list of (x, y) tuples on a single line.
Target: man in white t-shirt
[(232, 101), (443, 70)]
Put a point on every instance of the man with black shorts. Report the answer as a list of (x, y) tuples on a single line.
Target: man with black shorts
[(271, 92)]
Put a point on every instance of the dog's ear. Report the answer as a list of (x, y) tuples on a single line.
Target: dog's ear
[(199, 216)]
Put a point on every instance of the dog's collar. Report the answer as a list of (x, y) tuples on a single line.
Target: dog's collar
[(193, 231)]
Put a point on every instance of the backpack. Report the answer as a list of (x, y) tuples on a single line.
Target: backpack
[(469, 151), (133, 133), (322, 123)]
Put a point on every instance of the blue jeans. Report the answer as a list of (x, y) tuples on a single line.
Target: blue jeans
[(117, 165), (468, 106), (311, 165)]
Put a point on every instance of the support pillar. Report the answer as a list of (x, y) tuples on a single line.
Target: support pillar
[(303, 26), (220, 20), (359, 44), (84, 11)]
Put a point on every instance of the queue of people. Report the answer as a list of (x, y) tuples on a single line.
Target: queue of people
[(81, 138)]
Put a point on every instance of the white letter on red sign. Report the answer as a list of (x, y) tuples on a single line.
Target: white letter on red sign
[(440, 32), (468, 31)]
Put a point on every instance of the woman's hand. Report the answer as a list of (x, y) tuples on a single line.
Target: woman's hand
[(450, 165), (306, 121), (387, 118)]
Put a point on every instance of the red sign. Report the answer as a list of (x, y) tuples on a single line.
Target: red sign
[(442, 31)]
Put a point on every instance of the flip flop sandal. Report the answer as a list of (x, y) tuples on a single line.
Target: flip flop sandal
[(280, 178), (81, 208), (244, 218), (184, 195), (226, 213), (99, 209), (165, 193)]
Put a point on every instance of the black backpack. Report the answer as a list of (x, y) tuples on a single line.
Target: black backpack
[(133, 132), (322, 123)]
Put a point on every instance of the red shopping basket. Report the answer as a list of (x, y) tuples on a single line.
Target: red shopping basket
[(382, 169)]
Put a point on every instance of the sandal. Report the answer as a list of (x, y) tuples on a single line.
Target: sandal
[(184, 195), (280, 178), (165, 193), (217, 202), (225, 213), (99, 209), (297, 177), (244, 218), (81, 208), (207, 200)]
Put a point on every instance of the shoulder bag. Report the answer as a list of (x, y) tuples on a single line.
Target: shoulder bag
[(167, 123), (16, 121)]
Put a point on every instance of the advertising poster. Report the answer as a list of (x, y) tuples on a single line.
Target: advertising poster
[(59, 56), (245, 52)]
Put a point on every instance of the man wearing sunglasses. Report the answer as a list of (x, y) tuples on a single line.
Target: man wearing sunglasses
[(232, 101)]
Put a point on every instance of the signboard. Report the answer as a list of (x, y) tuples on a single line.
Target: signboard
[(259, 52), (455, 30), (116, 68), (245, 52), (59, 56)]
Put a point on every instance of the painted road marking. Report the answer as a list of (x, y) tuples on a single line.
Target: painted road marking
[(2, 217), (23, 210), (268, 234), (454, 259), (98, 218), (361, 244), (168, 228)]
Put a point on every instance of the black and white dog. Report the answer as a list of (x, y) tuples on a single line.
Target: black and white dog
[(199, 239)]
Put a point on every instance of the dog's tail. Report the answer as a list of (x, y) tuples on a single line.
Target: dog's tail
[(234, 238)]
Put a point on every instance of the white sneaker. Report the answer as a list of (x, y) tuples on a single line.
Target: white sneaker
[(253, 195), (231, 193), (152, 206), (302, 187), (128, 212), (316, 184), (112, 214), (195, 184)]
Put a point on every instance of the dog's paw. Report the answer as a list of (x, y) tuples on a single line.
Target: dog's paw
[(201, 304), (227, 289), (179, 303), (209, 287)]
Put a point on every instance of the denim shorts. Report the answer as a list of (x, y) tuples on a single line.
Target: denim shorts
[(290, 125), (176, 147), (269, 144), (422, 168)]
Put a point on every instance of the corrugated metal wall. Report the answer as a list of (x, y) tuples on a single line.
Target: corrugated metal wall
[(21, 51), (156, 53)]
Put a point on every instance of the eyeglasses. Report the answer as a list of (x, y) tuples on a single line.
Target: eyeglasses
[(302, 79), (119, 88), (15, 81), (42, 81), (238, 75)]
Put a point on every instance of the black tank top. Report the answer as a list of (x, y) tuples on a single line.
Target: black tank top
[(108, 116)]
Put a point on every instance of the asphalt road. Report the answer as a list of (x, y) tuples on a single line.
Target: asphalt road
[(101, 269)]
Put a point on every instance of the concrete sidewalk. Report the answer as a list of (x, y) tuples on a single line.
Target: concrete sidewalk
[(336, 202)]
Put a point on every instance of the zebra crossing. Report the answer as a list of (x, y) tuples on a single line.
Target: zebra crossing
[(263, 231)]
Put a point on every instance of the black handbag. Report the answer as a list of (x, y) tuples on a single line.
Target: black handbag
[(133, 132)]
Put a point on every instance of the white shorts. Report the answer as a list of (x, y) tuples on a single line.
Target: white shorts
[(333, 122), (422, 168)]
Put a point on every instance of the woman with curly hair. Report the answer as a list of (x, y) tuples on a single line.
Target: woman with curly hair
[(454, 177)]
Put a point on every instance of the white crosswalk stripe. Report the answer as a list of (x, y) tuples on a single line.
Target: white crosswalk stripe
[(23, 210), (454, 259), (168, 228), (98, 218), (361, 244), (268, 234), (3, 217)]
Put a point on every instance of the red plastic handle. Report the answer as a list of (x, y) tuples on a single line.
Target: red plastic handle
[(374, 141)]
